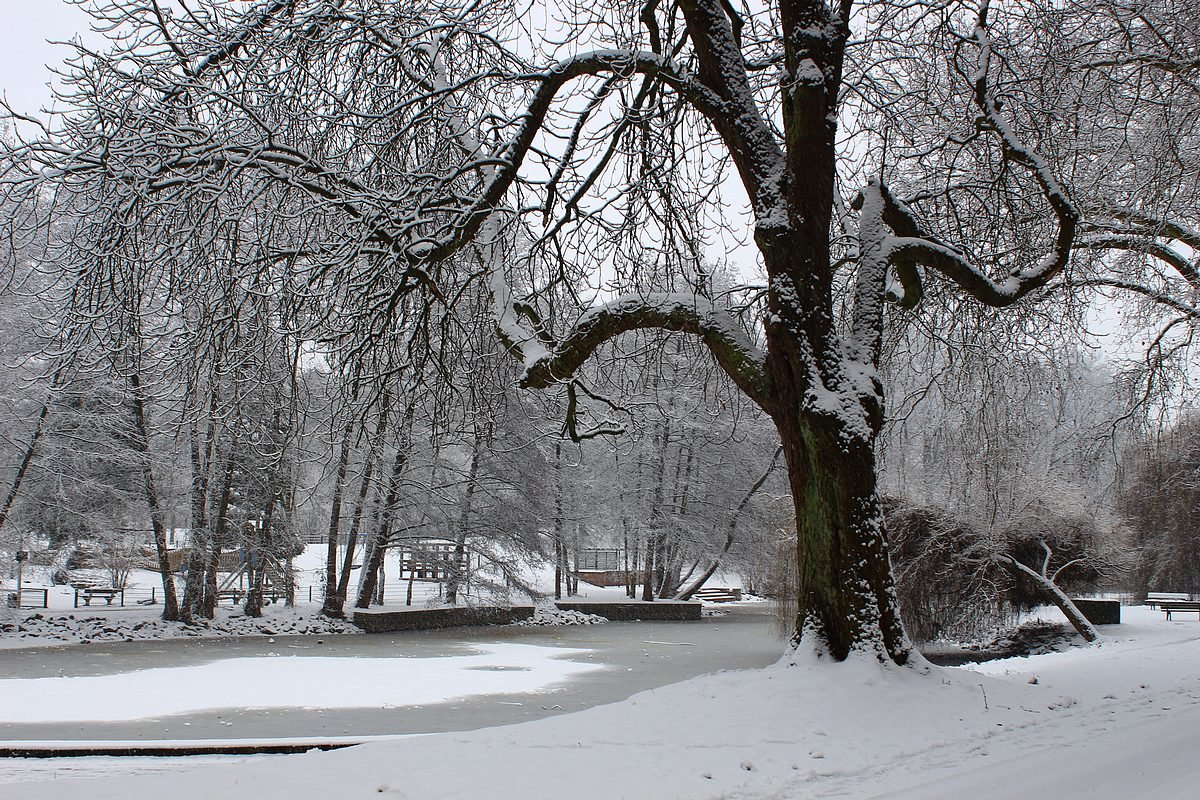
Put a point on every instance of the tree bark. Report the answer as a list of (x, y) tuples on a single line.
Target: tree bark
[(457, 573), (170, 599), (845, 596), (333, 605)]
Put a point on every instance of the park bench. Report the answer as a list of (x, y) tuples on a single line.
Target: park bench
[(269, 595), (1153, 599), (1179, 605), (234, 595), (90, 592)]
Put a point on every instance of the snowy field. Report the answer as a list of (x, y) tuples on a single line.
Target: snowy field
[(1117, 720)]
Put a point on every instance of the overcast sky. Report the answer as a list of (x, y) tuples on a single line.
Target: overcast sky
[(25, 25)]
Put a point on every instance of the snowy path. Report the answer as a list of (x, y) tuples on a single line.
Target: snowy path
[(1102, 723)]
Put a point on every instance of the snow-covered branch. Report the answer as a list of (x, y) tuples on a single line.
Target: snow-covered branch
[(911, 246), (733, 350), (1055, 595)]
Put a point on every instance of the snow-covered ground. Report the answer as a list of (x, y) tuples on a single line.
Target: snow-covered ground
[(63, 623), (1118, 720), (282, 681)]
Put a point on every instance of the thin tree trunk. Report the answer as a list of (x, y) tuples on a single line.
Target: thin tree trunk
[(377, 543), (653, 535), (254, 597), (456, 576), (170, 599), (334, 602), (730, 529), (35, 438), (673, 560), (201, 538), (220, 530), (558, 522), (364, 490)]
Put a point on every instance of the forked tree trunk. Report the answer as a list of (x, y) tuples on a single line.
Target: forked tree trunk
[(377, 543), (364, 490), (1051, 592), (845, 596)]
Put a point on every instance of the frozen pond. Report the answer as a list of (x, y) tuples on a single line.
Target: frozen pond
[(333, 686)]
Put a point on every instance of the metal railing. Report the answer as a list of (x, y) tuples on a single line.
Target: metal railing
[(24, 597)]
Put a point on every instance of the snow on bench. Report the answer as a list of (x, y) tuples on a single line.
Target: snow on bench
[(107, 592), (1179, 605), (1154, 598)]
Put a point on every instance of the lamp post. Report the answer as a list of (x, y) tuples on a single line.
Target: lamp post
[(22, 555)]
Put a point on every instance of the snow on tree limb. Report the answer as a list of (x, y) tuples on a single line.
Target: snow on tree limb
[(911, 246), (1053, 593), (733, 350)]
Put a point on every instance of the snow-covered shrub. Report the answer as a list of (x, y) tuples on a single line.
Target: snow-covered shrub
[(952, 584)]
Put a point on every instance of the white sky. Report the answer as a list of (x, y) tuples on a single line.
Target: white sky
[(25, 27)]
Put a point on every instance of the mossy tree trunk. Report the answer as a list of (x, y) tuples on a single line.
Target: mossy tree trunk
[(845, 596)]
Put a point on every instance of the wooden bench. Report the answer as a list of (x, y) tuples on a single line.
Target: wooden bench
[(1179, 605), (107, 592), (1153, 599), (237, 595)]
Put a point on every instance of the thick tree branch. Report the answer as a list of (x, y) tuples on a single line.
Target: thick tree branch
[(913, 246), (732, 349), (751, 144), (1146, 246)]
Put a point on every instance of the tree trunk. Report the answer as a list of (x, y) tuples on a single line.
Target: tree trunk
[(378, 542), (170, 600), (457, 573), (558, 522), (334, 602), (35, 438), (1055, 595), (364, 490), (220, 529), (254, 597), (730, 529), (845, 596)]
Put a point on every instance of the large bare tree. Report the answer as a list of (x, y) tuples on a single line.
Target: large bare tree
[(583, 167)]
